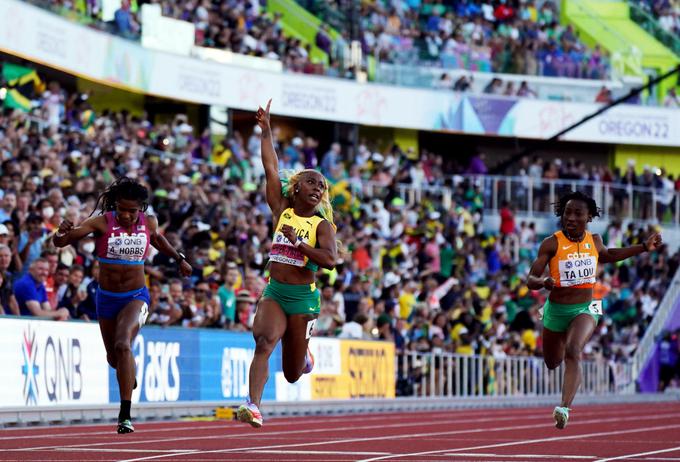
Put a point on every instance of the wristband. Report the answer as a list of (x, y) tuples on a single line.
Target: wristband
[(298, 241), (644, 247)]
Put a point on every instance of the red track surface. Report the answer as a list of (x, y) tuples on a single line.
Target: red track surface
[(641, 432)]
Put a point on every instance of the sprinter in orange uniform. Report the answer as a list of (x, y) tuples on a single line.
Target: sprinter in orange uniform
[(570, 314)]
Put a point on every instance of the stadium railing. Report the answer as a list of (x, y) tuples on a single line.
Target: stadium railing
[(651, 25), (546, 88), (647, 345), (454, 375), (534, 197)]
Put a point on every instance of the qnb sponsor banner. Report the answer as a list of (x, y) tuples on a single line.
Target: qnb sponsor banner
[(167, 366), (224, 365), (51, 363), (363, 369)]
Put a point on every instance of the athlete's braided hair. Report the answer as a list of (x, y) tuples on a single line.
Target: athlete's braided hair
[(123, 188), (561, 204)]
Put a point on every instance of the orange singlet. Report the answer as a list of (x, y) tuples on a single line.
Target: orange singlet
[(575, 263)]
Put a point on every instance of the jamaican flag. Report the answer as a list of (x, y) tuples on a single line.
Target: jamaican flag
[(22, 84)]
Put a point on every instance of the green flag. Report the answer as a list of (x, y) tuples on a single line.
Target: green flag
[(22, 84)]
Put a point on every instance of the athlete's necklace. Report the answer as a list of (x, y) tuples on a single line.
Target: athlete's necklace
[(578, 239)]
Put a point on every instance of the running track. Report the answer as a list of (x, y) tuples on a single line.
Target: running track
[(635, 432)]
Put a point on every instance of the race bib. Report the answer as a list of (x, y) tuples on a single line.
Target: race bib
[(283, 251), (595, 307), (576, 271), (126, 247)]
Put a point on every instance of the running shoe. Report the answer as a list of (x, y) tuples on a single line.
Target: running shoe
[(250, 414), (561, 416), (125, 426), (309, 362)]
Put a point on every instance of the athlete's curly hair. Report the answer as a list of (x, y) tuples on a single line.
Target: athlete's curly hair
[(123, 188), (560, 205)]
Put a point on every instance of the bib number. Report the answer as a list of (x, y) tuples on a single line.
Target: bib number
[(595, 307)]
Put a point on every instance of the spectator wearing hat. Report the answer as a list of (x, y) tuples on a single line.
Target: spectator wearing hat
[(245, 303)]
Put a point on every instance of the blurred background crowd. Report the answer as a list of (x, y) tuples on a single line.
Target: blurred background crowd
[(509, 36)]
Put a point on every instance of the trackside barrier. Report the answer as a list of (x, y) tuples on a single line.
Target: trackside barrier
[(48, 363), (453, 375)]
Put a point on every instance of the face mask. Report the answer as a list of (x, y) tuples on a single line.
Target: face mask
[(88, 247), (48, 212)]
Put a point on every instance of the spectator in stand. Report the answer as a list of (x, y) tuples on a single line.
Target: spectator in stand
[(72, 293), (668, 346), (8, 302), (604, 95), (124, 20), (524, 91), (323, 40), (31, 296), (494, 87), (32, 239), (87, 309), (671, 99), (507, 219), (227, 294)]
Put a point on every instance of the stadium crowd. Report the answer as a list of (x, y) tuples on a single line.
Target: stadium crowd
[(667, 12), (508, 36), (424, 275)]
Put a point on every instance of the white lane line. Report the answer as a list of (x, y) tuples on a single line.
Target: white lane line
[(452, 432), (539, 440), (335, 453), (274, 422), (250, 433), (163, 451), (639, 454), (516, 456), (455, 418)]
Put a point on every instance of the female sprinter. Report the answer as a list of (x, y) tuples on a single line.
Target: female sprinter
[(123, 234), (570, 315), (304, 239)]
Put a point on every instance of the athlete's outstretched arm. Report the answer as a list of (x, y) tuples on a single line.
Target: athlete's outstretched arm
[(68, 234), (546, 251), (161, 243), (607, 255), (326, 254), (270, 162)]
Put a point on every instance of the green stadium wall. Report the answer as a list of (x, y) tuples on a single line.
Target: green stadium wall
[(299, 23), (608, 24)]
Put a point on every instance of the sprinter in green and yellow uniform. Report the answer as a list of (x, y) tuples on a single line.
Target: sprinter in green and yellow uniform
[(304, 239)]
